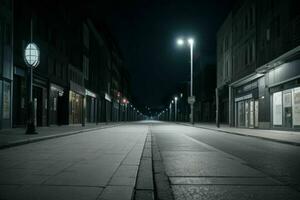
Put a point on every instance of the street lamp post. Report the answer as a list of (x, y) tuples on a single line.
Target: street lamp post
[(175, 108), (170, 109), (191, 98), (173, 119), (32, 60)]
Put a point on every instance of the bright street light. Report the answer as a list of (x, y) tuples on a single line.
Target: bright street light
[(176, 98), (180, 42), (191, 41), (191, 98)]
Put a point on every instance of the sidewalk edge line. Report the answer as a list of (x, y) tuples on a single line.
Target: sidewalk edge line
[(48, 137), (246, 135)]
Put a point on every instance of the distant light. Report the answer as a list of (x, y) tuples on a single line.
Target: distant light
[(172, 101), (191, 41), (181, 95), (176, 98), (180, 42)]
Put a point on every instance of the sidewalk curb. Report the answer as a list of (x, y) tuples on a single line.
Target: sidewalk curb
[(246, 135), (144, 185), (38, 139)]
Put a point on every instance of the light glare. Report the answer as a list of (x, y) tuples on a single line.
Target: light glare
[(180, 42), (191, 41)]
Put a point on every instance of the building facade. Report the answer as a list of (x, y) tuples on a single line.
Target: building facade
[(80, 78), (204, 107), (224, 68), (264, 88), (6, 63)]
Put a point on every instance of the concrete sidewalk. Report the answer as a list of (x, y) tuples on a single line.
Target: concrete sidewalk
[(17, 136), (99, 165), (287, 137)]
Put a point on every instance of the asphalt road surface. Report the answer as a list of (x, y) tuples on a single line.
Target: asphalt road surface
[(205, 164), (199, 164)]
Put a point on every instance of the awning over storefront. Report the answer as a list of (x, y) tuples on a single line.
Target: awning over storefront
[(107, 97), (89, 93), (279, 60), (249, 96), (77, 88), (246, 79), (56, 87)]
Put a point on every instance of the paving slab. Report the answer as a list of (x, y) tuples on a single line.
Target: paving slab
[(145, 177), (38, 192), (21, 177), (117, 193), (98, 164), (125, 175), (16, 136), (144, 195)]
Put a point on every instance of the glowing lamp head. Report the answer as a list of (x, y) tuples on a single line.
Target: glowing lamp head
[(32, 55), (176, 98), (180, 42), (191, 41)]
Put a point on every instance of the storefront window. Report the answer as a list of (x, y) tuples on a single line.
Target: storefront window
[(246, 113), (277, 108), (296, 106), (76, 103), (256, 113), (251, 114), (6, 100), (241, 113)]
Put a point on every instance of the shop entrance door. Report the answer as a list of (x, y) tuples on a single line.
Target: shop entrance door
[(38, 105), (287, 110), (256, 113), (247, 113), (241, 113), (251, 114)]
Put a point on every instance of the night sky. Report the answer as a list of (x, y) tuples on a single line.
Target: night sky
[(146, 33)]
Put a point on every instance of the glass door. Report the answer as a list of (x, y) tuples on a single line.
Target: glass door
[(251, 114), (241, 114), (256, 113), (247, 105), (287, 110)]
